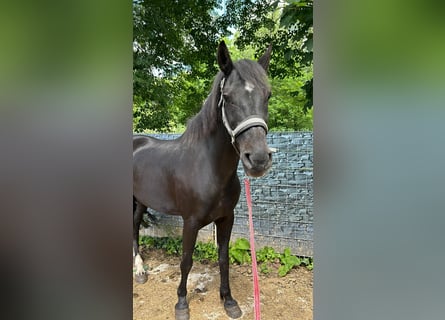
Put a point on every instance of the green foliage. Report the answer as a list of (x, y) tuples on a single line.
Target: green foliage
[(148, 242), (239, 252), (150, 114), (171, 245), (288, 261), (267, 254), (173, 67), (205, 252), (308, 262), (288, 26), (286, 106), (170, 38), (264, 268)]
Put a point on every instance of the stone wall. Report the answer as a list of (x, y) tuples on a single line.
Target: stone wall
[(282, 200)]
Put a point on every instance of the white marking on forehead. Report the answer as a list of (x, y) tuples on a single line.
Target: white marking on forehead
[(249, 86)]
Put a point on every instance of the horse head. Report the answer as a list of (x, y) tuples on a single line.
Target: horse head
[(244, 97)]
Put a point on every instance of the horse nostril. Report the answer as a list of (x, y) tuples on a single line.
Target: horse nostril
[(257, 159)]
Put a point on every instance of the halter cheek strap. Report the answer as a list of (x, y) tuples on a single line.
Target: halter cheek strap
[(249, 122)]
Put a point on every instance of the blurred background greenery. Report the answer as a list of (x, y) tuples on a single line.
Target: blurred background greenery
[(174, 57)]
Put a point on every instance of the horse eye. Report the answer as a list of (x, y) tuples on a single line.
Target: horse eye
[(270, 95)]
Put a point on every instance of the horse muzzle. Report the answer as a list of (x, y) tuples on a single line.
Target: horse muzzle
[(255, 154), (256, 164)]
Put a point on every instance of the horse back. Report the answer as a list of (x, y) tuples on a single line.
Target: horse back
[(139, 141)]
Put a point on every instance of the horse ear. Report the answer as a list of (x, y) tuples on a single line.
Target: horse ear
[(265, 58), (224, 61)]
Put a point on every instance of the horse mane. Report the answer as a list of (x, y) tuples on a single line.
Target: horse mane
[(206, 120)]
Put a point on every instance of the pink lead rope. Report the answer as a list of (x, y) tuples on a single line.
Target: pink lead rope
[(256, 286)]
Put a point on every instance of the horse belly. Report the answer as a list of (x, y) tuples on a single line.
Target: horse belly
[(153, 193)]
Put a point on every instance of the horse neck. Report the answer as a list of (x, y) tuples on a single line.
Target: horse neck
[(207, 128), (224, 153), (219, 141)]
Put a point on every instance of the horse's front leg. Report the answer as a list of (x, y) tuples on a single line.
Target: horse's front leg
[(223, 231), (189, 234)]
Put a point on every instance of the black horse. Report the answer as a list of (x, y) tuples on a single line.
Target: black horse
[(195, 176)]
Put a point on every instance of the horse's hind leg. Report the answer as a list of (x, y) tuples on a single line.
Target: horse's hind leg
[(138, 210), (223, 231), (189, 234)]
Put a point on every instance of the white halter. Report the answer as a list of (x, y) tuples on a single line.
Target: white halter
[(249, 122)]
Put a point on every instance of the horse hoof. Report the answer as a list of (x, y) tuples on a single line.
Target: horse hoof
[(141, 278), (233, 311), (182, 314)]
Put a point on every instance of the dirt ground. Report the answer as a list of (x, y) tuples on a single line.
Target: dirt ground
[(282, 298)]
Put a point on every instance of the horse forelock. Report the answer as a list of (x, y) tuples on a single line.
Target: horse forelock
[(251, 72)]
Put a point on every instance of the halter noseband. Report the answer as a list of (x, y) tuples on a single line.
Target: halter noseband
[(249, 122)]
